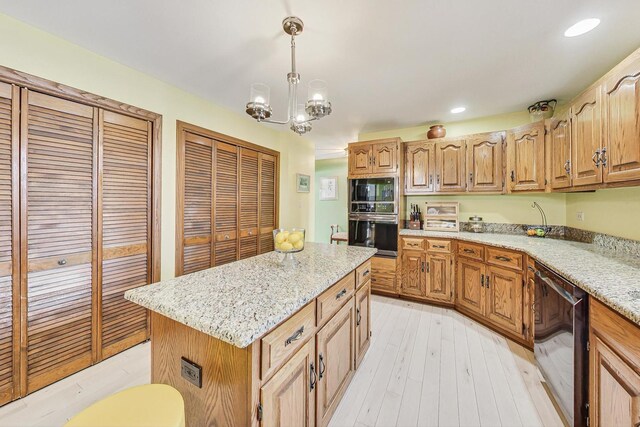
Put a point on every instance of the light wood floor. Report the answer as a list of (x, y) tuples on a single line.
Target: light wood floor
[(426, 366)]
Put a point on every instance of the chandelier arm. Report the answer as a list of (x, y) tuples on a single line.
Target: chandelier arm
[(277, 122)]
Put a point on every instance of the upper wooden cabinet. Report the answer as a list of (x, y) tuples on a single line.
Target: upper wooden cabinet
[(586, 134), (420, 158), (525, 158), (374, 158), (484, 162), (450, 166), (559, 151)]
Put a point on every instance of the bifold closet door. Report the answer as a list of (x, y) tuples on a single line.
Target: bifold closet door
[(125, 159), (267, 201), (197, 199), (58, 198), (248, 203), (226, 203), (9, 266)]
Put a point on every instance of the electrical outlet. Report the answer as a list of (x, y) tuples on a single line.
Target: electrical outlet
[(191, 372), (580, 216)]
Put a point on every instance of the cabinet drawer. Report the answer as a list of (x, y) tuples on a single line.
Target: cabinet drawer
[(470, 250), (363, 273), (284, 340), (439, 246), (332, 299), (383, 274), (504, 258), (413, 243)]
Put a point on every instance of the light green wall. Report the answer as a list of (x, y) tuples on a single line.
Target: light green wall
[(330, 212), (28, 49)]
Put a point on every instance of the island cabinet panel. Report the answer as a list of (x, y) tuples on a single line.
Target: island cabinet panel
[(226, 203), (484, 162), (559, 152), (450, 166), (614, 365), (470, 286), (586, 134), (621, 145), (330, 301), (248, 213), (363, 322), (413, 274), (504, 298), (526, 158), (267, 202), (439, 278), (420, 158), (289, 398), (335, 362), (9, 248)]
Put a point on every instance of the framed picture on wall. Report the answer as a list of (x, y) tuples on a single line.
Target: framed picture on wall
[(328, 188), (303, 183)]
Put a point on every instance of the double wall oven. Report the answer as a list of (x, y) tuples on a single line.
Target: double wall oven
[(373, 214)]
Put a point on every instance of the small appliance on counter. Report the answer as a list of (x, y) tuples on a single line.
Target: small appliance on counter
[(415, 222), (476, 224), (441, 216)]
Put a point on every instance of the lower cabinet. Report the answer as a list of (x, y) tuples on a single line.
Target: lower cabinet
[(413, 274), (363, 322), (383, 274), (470, 290), (288, 399), (503, 290), (439, 277), (427, 275)]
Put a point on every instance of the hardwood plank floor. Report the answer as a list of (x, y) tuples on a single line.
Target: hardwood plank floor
[(427, 366)]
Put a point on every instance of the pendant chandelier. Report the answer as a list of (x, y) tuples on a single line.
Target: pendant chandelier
[(299, 116)]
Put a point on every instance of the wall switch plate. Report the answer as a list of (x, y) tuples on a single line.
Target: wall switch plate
[(191, 372), (580, 216)]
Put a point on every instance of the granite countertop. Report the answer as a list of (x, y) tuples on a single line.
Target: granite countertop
[(241, 301), (611, 277)]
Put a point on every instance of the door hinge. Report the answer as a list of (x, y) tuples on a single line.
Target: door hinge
[(588, 345), (259, 411)]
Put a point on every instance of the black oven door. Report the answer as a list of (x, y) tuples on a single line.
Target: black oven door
[(374, 232), (373, 195)]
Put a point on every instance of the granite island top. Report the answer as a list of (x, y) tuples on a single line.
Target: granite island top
[(241, 301), (611, 277)]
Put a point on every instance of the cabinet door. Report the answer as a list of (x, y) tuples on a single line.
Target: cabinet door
[(621, 146), (288, 398), (336, 351), (559, 152), (385, 157), (525, 158), (9, 241), (450, 166), (125, 145), (586, 138), (226, 203), (438, 278), (413, 273), (360, 160), (420, 163), (484, 162), (267, 201), (197, 200), (503, 290), (59, 150), (470, 290), (248, 203), (383, 274), (363, 322)]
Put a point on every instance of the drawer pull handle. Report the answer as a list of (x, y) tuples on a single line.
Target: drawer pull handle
[(295, 337), (469, 251), (313, 378), (365, 273), (503, 258), (358, 317), (321, 366), (341, 293), (250, 233), (439, 246), (226, 237), (62, 262)]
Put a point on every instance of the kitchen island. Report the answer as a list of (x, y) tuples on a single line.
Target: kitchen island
[(254, 341)]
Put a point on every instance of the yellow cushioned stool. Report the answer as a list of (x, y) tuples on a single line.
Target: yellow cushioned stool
[(151, 405)]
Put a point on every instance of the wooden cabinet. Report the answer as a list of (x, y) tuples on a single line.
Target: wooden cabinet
[(374, 158), (420, 158), (559, 152), (525, 158), (614, 364), (248, 209), (620, 156), (267, 200), (439, 277), (413, 274), (225, 203), (470, 286), (383, 274), (586, 134), (363, 322), (484, 162), (385, 157), (288, 398), (360, 160), (450, 166), (503, 289)]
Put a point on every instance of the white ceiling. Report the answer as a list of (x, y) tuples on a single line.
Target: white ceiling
[(388, 64)]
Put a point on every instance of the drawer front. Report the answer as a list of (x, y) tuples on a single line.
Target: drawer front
[(504, 258), (413, 243), (333, 298), (383, 271), (472, 251), (279, 344), (443, 246), (363, 274)]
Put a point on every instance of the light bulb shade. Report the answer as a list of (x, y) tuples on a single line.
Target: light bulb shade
[(258, 106), (301, 115), (318, 91), (318, 104)]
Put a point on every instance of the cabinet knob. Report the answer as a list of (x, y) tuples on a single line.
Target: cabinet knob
[(62, 262), (226, 237)]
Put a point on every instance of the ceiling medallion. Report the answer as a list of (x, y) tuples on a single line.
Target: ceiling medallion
[(299, 116)]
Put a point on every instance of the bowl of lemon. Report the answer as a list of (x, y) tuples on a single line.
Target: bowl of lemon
[(288, 242)]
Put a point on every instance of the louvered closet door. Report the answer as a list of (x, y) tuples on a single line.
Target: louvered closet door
[(198, 200), (59, 152), (9, 291), (226, 203), (126, 228), (267, 217), (248, 203)]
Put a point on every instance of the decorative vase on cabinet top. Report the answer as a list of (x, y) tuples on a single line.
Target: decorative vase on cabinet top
[(436, 131)]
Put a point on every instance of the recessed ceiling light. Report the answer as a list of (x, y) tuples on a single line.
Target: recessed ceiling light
[(458, 110), (582, 27)]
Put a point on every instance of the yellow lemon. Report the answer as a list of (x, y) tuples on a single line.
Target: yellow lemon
[(280, 237), (286, 246), (299, 244), (277, 246), (286, 234), (294, 238)]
